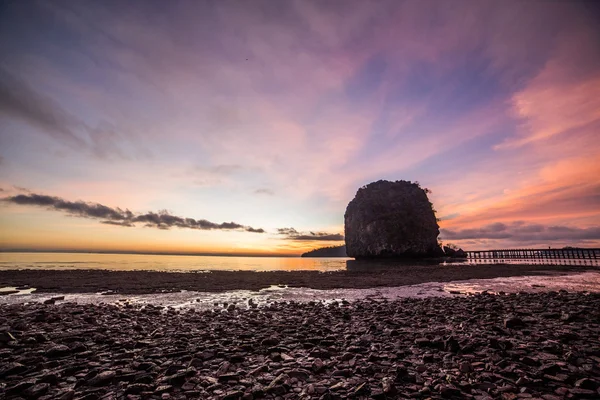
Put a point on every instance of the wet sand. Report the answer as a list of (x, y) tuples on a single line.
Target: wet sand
[(358, 276)]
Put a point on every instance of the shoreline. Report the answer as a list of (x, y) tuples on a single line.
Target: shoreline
[(543, 345), (361, 276)]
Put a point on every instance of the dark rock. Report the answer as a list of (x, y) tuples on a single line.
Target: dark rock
[(317, 365), (163, 389), (237, 358), (20, 387), (550, 369), (320, 353), (137, 388), (530, 361), (259, 370), (177, 379), (36, 391), (448, 391), (59, 350), (233, 395), (271, 341), (223, 368), (578, 393), (388, 386), (65, 395), (298, 374), (486, 386), (102, 378), (587, 383), (13, 368), (229, 377), (342, 372), (513, 323), (391, 219), (452, 345), (465, 367)]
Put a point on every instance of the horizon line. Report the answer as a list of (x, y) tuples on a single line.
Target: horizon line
[(151, 253)]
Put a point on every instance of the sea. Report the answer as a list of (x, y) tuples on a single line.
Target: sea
[(166, 263), (188, 263)]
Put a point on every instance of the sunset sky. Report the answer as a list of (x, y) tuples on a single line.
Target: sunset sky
[(216, 126)]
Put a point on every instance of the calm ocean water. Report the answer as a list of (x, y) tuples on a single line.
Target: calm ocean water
[(130, 262)]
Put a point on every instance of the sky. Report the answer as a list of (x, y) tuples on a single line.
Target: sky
[(246, 127)]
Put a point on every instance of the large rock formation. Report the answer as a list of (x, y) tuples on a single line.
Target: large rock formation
[(391, 219)]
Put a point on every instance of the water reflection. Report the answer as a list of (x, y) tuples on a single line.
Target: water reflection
[(133, 262), (387, 264), (171, 263)]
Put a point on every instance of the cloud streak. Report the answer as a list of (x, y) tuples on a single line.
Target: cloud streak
[(20, 101), (523, 232), (264, 191), (293, 234), (117, 216)]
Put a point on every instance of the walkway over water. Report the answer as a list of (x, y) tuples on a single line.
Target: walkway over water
[(535, 254)]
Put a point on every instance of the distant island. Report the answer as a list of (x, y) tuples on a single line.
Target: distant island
[(332, 251)]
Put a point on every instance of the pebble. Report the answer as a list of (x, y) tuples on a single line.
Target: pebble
[(476, 347)]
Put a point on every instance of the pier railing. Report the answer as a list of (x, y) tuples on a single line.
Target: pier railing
[(535, 254)]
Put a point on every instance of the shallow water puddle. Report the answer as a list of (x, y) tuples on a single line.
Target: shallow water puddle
[(588, 281), (13, 290)]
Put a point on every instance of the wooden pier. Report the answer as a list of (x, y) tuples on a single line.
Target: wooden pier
[(535, 254)]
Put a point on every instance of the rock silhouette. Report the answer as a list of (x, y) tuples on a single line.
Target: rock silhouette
[(389, 220), (333, 251), (454, 252)]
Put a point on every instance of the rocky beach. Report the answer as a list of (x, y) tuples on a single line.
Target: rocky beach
[(506, 346)]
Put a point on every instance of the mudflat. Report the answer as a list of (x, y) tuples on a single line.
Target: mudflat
[(359, 275)]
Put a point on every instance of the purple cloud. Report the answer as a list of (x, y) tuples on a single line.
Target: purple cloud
[(293, 234), (120, 217), (522, 232)]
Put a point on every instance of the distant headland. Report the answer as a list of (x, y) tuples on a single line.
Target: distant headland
[(332, 251)]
